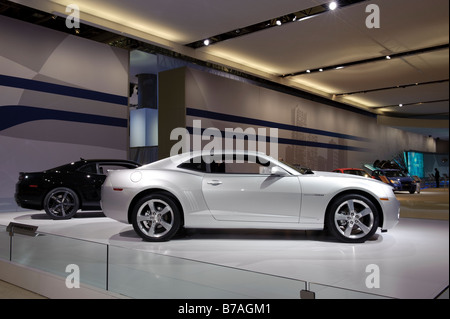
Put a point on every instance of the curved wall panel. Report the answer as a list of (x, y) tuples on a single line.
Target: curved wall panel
[(61, 98)]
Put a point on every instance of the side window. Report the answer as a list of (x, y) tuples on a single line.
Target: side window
[(242, 166), (196, 164), (89, 168), (227, 166)]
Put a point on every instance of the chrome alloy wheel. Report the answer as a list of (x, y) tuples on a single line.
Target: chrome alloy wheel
[(354, 219), (155, 218)]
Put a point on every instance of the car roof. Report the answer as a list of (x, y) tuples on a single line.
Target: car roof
[(77, 164)]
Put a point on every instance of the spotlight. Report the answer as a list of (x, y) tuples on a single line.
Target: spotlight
[(278, 22), (401, 105), (206, 42), (388, 57), (333, 5)]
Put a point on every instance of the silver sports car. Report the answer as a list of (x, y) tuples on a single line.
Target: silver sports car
[(246, 190)]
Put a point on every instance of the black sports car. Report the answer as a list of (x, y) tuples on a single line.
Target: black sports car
[(64, 190)]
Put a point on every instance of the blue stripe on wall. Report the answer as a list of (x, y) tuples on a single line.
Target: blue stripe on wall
[(46, 87), (252, 121), (288, 141), (16, 114)]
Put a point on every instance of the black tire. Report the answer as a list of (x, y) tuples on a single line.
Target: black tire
[(61, 203), (156, 218), (352, 218)]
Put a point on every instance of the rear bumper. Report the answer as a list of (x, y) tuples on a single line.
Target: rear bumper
[(27, 198), (115, 203)]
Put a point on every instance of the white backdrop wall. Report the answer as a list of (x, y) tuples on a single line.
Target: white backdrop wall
[(61, 98), (311, 134)]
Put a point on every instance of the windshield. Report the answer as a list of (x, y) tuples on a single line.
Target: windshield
[(394, 174), (302, 170), (355, 172)]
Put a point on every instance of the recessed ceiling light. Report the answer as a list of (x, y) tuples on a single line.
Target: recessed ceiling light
[(333, 5), (206, 42)]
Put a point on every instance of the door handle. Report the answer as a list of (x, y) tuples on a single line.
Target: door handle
[(215, 183)]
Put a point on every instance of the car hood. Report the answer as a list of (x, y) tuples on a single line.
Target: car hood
[(347, 176), (405, 179), (338, 175)]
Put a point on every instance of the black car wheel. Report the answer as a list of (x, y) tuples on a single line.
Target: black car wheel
[(61, 203), (156, 218), (352, 218)]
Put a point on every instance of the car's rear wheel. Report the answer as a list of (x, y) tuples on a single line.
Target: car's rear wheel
[(352, 218), (156, 218), (61, 203)]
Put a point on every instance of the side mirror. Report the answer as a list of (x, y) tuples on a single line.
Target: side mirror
[(278, 171)]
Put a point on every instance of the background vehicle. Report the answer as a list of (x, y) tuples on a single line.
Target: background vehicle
[(245, 190), (352, 171), (63, 190), (397, 179)]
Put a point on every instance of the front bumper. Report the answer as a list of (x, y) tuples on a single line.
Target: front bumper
[(391, 209)]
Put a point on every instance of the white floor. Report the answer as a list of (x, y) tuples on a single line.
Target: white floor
[(412, 259)]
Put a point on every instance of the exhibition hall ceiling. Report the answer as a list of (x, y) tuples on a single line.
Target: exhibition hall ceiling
[(388, 57)]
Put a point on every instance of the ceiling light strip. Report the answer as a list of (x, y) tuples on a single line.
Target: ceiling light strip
[(403, 86), (371, 60), (409, 104), (275, 22)]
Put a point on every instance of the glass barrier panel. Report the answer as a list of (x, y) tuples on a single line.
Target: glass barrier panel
[(63, 256), (330, 292), (141, 274), (4, 243)]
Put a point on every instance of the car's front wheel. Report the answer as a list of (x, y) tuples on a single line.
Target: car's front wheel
[(61, 203), (352, 218), (156, 218)]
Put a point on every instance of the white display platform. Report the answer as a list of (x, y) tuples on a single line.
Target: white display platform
[(412, 260)]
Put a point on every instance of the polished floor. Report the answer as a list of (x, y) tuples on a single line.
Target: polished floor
[(413, 258), (8, 291)]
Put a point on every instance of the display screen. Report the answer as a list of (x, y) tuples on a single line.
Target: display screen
[(415, 164)]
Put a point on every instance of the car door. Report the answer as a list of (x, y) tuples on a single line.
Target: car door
[(89, 182), (248, 192)]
